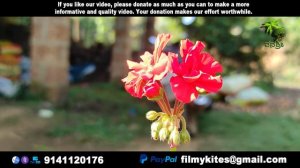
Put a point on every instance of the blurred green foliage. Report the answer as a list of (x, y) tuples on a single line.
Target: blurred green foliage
[(248, 131), (172, 26), (292, 39), (99, 115), (237, 42), (234, 39), (24, 21), (101, 30)]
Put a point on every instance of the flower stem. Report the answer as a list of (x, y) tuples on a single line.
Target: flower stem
[(180, 108), (183, 123), (167, 103), (162, 106), (164, 102), (176, 106)]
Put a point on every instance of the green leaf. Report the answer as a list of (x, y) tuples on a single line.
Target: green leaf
[(269, 30)]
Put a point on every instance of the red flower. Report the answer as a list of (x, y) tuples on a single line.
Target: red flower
[(197, 70), (153, 67), (153, 90), (134, 84)]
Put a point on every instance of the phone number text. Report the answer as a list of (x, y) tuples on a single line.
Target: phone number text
[(73, 160)]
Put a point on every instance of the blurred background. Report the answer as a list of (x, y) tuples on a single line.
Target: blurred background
[(60, 85)]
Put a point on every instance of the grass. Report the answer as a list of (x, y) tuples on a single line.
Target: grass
[(9, 121), (103, 98), (249, 131), (119, 118), (98, 128), (103, 113), (266, 86)]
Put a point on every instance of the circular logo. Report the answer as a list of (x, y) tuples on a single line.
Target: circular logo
[(15, 160), (25, 160)]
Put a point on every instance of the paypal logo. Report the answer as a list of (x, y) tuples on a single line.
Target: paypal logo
[(165, 159), (143, 158)]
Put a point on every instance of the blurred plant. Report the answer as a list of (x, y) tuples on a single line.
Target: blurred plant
[(274, 29), (25, 21), (194, 72), (96, 30), (164, 24)]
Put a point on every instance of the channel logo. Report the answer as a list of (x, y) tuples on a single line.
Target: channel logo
[(35, 160), (15, 160), (143, 158), (25, 159)]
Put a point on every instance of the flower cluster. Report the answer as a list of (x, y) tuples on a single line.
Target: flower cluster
[(166, 127), (194, 72)]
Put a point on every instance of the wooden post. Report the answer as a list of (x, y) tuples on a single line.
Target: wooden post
[(50, 42)]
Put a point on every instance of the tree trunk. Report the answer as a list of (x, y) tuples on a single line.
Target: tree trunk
[(76, 29), (121, 49), (149, 31), (50, 42)]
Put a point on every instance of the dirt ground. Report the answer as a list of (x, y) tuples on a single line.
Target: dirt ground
[(22, 129)]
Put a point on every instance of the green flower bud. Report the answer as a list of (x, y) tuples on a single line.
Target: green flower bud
[(152, 115), (156, 126), (166, 121), (174, 137), (163, 134), (154, 135), (185, 136), (171, 127)]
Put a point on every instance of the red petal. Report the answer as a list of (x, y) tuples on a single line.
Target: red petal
[(130, 89), (192, 77), (161, 68), (160, 43), (183, 91), (208, 64), (131, 76), (135, 86), (147, 58), (134, 65), (146, 75), (197, 48), (193, 55), (209, 83), (152, 90), (185, 46), (176, 67)]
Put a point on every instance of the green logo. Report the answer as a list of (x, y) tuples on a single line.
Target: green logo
[(276, 31)]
